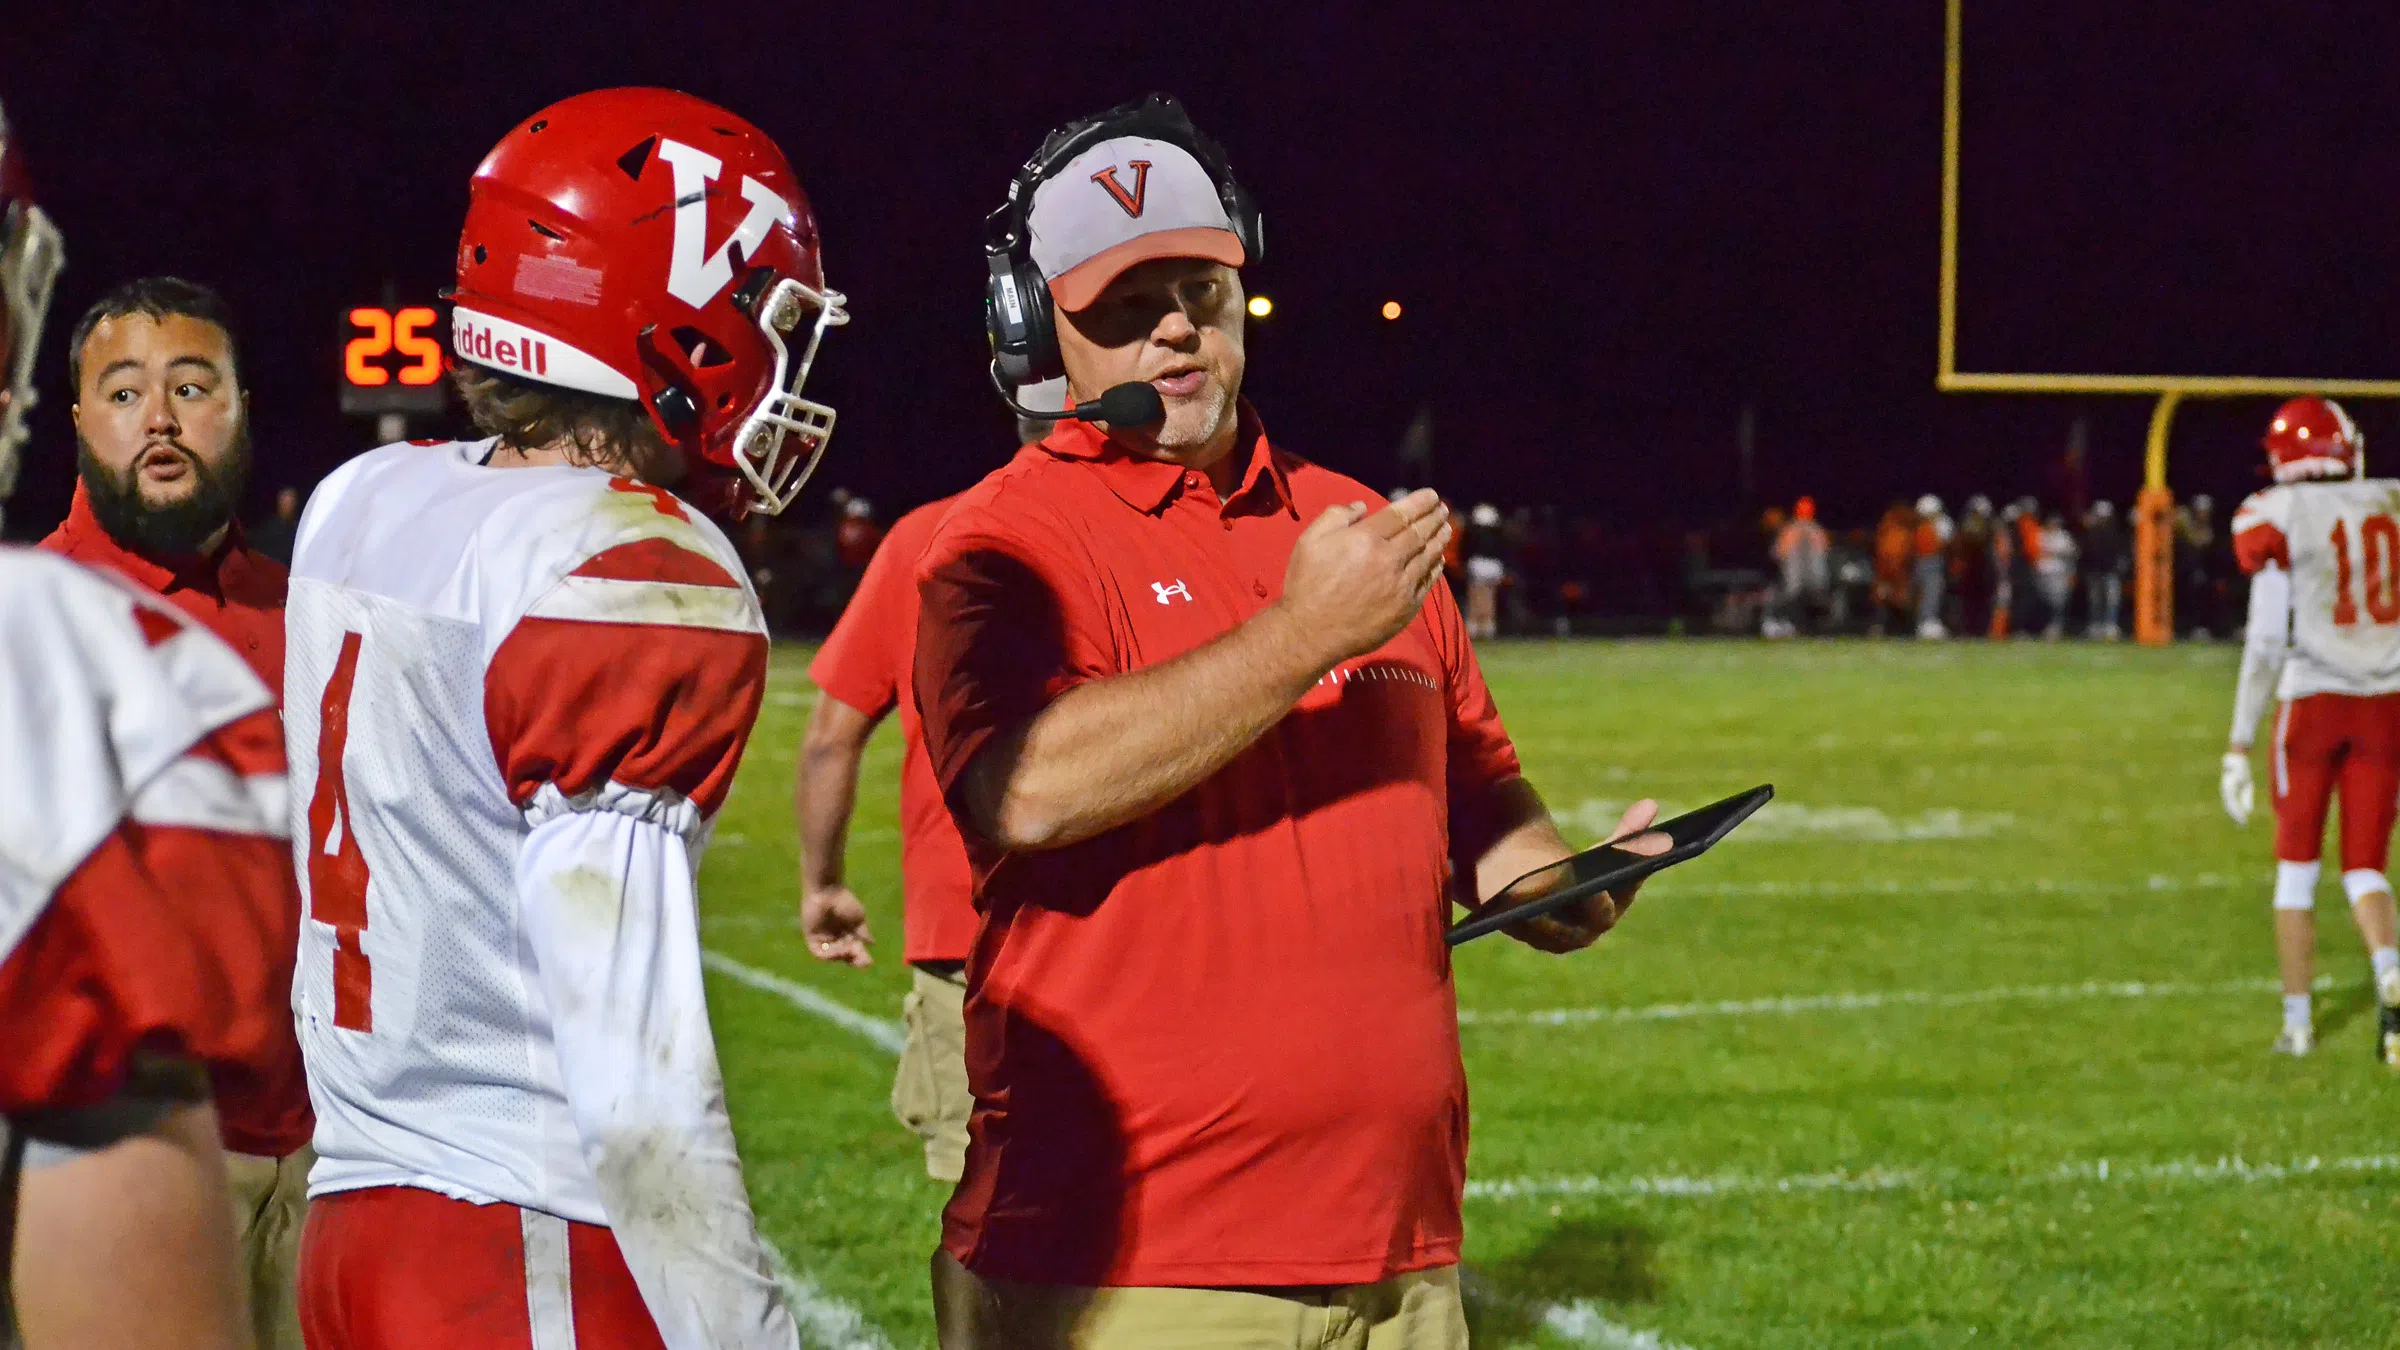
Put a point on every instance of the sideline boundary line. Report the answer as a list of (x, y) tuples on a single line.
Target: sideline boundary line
[(2231, 1168), (1870, 1000), (1906, 886), (824, 1319), (884, 1035)]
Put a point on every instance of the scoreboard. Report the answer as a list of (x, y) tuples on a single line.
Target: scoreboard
[(391, 360)]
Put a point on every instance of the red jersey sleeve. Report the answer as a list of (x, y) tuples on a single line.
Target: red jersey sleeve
[(644, 668), (1480, 753), (176, 935), (865, 658), (2258, 532), (1007, 622)]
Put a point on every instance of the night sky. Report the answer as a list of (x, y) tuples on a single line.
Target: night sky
[(1611, 225)]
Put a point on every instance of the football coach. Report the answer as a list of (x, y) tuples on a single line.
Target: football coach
[(1219, 746)]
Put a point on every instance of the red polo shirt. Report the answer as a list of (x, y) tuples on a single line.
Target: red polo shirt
[(1217, 1046), (236, 593), (866, 664)]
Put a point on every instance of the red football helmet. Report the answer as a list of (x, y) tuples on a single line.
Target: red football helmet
[(2312, 437), (31, 255), (646, 245)]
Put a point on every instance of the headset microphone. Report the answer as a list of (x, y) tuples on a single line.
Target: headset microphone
[(1134, 403)]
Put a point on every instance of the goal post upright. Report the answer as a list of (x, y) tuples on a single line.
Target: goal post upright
[(2154, 509)]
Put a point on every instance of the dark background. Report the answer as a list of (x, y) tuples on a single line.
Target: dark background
[(1612, 226)]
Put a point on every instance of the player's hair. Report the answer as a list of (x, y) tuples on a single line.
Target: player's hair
[(159, 298), (605, 432)]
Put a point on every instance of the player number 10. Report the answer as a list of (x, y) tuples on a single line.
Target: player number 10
[(2380, 538)]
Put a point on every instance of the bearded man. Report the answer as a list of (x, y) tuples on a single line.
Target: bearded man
[(162, 432), (162, 435)]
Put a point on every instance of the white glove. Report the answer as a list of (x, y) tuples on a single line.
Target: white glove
[(2235, 787)]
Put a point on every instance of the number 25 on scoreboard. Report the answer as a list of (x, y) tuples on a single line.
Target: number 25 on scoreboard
[(385, 331), (2379, 539)]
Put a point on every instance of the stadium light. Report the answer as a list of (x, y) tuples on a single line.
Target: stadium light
[(1261, 307), (1391, 309)]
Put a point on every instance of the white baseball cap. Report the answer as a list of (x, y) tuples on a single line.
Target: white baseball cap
[(1126, 200)]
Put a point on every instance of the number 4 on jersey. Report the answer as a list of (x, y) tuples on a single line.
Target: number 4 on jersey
[(337, 870), (2379, 538)]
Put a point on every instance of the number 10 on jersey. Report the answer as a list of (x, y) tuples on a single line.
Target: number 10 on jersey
[(2379, 539)]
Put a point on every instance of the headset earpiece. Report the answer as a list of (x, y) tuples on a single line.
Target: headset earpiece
[(1017, 317)]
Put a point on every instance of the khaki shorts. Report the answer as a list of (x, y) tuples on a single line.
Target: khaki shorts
[(1417, 1311), (270, 1203), (930, 1094)]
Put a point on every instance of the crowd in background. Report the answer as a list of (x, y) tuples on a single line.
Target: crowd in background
[(2019, 570), (2023, 570)]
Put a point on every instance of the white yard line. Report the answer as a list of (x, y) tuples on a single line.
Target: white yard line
[(824, 1320), (2101, 1171), (1868, 1000), (2207, 881), (885, 1035), (1580, 1321), (1583, 1323), (1695, 1187)]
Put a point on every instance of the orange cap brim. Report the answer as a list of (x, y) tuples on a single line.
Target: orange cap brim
[(1081, 284)]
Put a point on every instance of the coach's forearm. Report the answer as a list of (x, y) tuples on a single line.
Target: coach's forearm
[(1117, 749), (826, 791), (1509, 832)]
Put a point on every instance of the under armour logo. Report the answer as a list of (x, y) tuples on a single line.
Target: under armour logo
[(1131, 201), (1164, 590)]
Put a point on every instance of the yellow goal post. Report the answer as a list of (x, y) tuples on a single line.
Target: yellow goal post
[(2154, 510)]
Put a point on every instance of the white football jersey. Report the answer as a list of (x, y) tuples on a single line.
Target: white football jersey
[(473, 651), (2339, 542), (141, 803), (104, 691)]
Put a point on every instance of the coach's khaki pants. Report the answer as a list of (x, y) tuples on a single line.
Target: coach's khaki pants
[(270, 1202), (1417, 1311), (930, 1094)]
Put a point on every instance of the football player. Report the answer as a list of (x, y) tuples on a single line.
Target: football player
[(143, 927), (2329, 539), (520, 673)]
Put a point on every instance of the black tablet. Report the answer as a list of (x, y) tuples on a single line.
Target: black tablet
[(1608, 867)]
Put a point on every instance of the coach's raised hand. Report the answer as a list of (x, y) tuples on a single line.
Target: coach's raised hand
[(1357, 576)]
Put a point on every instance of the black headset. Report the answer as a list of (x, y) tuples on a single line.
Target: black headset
[(1017, 313)]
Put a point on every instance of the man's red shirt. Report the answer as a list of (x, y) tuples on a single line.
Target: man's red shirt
[(236, 593), (866, 663), (1219, 1045)]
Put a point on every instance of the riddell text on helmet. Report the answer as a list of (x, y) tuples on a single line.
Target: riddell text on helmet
[(476, 342), (488, 340)]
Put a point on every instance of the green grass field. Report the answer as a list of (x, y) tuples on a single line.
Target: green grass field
[(1964, 1043)]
